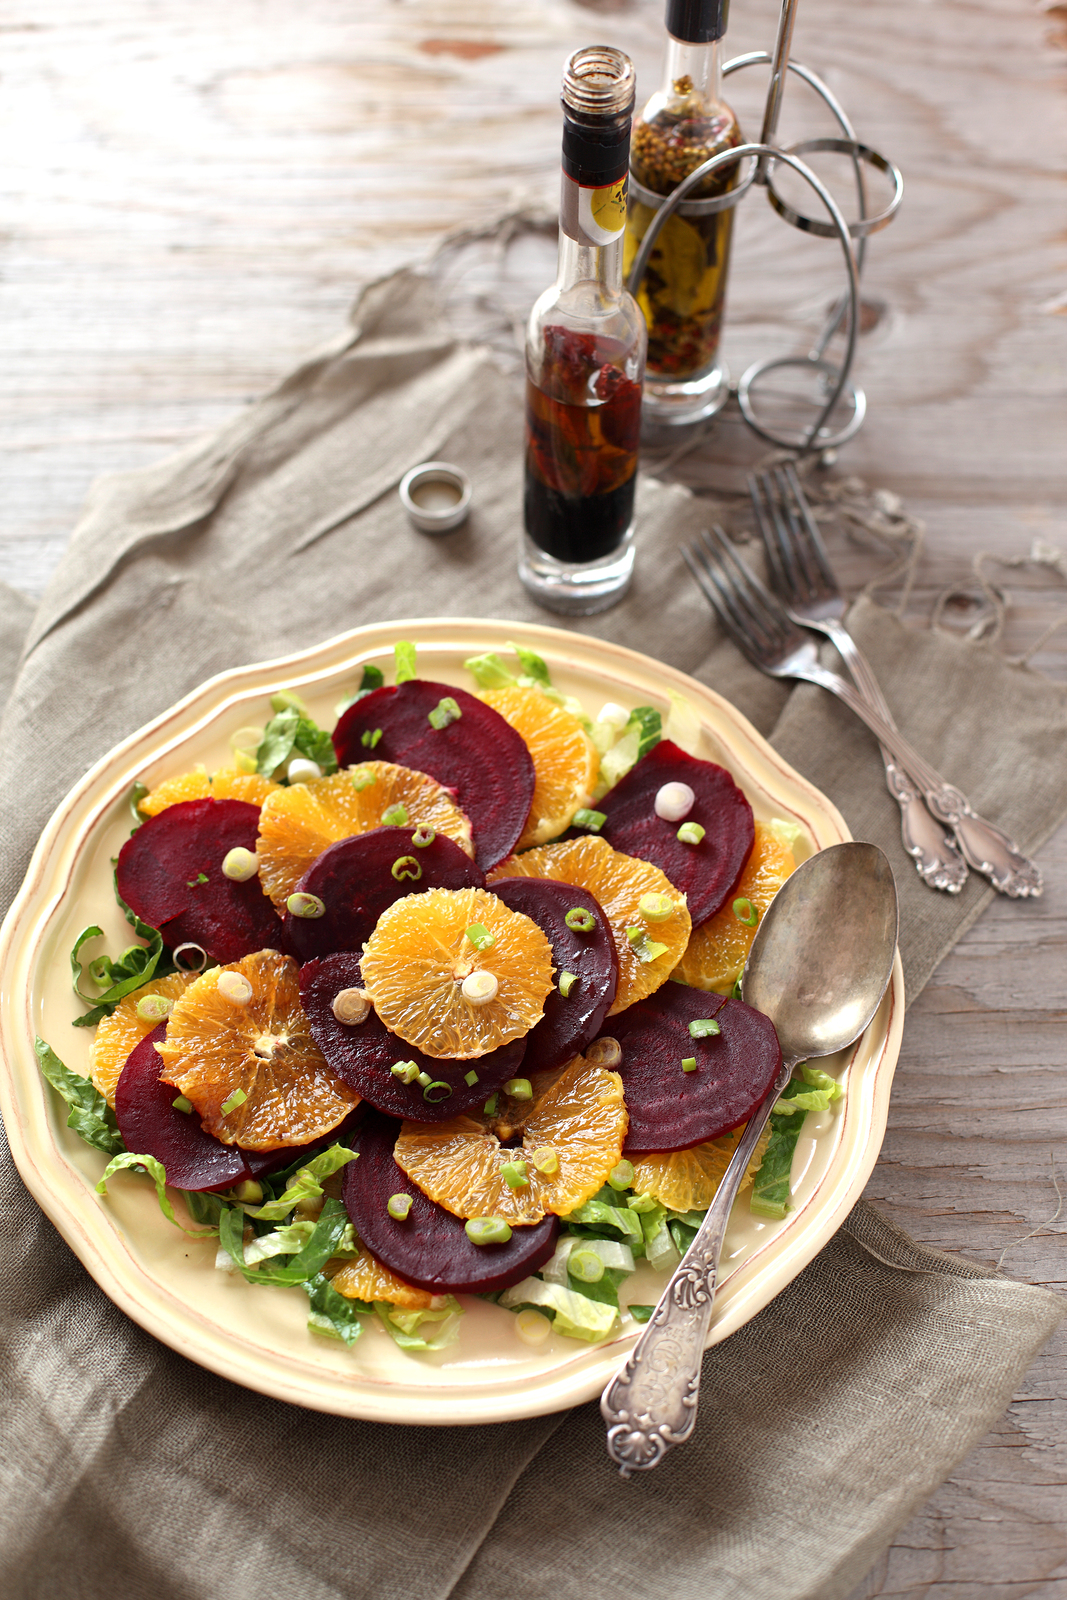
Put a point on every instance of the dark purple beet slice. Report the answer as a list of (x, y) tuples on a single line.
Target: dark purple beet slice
[(568, 1025), (363, 1054), (161, 866), (671, 1109), (707, 872), (354, 879), (430, 1248), (150, 1126), (479, 756)]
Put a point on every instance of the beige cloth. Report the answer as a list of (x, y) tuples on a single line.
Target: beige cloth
[(127, 1471)]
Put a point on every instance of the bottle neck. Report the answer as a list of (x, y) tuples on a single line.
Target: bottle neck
[(692, 75), (599, 266)]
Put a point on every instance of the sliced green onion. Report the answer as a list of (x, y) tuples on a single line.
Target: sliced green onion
[(423, 836), (604, 1052), (444, 712), (480, 987), (351, 1007), (138, 793), (593, 820), (194, 883), (306, 905), (546, 1160), (489, 1109), (579, 920), (746, 912), (406, 1071), (656, 907), (480, 937), (424, 1079), (487, 1230), (237, 1098), (691, 833), (519, 1088), (190, 962), (362, 780), (470, 1078), (644, 948), (154, 1008), (406, 867), (689, 1064), (585, 1265), (182, 1104), (240, 864), (704, 1028), (567, 980), (368, 739), (438, 1084), (621, 1175), (235, 987), (514, 1174), (398, 1206), (395, 817), (249, 1192), (641, 1203), (286, 700)]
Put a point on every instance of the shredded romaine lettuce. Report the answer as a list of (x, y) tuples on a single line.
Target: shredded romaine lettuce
[(289, 734), (575, 1315), (158, 1174), (305, 1183), (644, 729), (683, 724), (404, 1326), (404, 654), (90, 1115), (333, 1315)]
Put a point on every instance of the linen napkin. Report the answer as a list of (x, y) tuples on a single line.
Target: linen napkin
[(826, 1420)]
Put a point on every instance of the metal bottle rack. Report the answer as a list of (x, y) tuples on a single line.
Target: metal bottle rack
[(764, 156)]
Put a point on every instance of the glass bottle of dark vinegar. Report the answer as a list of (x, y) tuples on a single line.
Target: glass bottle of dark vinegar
[(585, 354)]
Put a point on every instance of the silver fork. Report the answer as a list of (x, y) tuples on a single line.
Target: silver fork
[(802, 577), (764, 632)]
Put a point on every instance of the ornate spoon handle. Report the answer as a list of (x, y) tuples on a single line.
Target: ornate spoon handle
[(651, 1403)]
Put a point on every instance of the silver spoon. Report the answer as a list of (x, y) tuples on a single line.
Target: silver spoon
[(819, 966)]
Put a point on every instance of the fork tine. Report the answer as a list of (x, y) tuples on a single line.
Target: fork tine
[(710, 587), (811, 528), (759, 494), (796, 580), (791, 531), (764, 613)]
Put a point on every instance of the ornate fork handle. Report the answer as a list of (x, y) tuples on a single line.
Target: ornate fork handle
[(651, 1403), (987, 848), (935, 853)]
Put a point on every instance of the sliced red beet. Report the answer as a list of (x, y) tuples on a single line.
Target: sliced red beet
[(671, 1109), (570, 1023), (430, 1248), (363, 1053), (149, 1124), (170, 873), (479, 756), (354, 880), (707, 872)]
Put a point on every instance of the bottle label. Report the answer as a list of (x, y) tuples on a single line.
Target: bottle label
[(593, 216)]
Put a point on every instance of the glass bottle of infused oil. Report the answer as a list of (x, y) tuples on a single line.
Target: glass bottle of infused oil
[(585, 356), (684, 285)]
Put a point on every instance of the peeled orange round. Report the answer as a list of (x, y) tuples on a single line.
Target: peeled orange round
[(687, 1180), (425, 946), (618, 882), (718, 949), (365, 1278), (298, 823), (226, 784), (565, 759), (256, 1057), (118, 1034), (461, 1164)]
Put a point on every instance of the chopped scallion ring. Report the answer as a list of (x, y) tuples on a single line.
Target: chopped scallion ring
[(154, 1008), (190, 964), (406, 1071), (234, 986), (674, 801), (691, 833), (487, 1230), (489, 1109), (514, 1174), (704, 1028), (480, 937), (546, 1160), (438, 1085), (745, 912), (593, 820), (306, 905), (689, 1064), (368, 739), (567, 980), (480, 987), (519, 1088), (585, 1265), (604, 1052), (470, 1078), (621, 1175), (362, 780), (182, 1104), (351, 1006), (579, 920), (237, 1098), (656, 907), (424, 1079), (406, 867), (398, 1206), (239, 865), (395, 816), (644, 948), (423, 836), (445, 711)]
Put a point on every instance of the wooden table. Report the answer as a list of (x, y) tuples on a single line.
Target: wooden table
[(193, 191)]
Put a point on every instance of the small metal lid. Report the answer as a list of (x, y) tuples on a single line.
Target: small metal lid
[(436, 496), (697, 21)]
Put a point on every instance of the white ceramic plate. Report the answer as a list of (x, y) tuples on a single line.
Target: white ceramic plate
[(258, 1337)]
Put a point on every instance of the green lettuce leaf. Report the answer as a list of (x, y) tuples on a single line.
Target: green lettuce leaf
[(404, 1326), (281, 1271), (404, 652), (290, 734), (333, 1315), (641, 733), (597, 1215), (770, 1188), (304, 1184), (575, 1315), (90, 1115), (489, 671), (533, 665), (134, 968), (158, 1174)]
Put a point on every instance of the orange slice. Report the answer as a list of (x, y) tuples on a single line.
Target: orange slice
[(298, 823), (218, 1048), (618, 882), (226, 784), (718, 949), (120, 1033), (686, 1180), (416, 960), (582, 1119), (365, 1278), (565, 759)]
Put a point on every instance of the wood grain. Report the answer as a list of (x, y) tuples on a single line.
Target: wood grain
[(191, 194)]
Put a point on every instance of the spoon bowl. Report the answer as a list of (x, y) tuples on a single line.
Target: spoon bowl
[(819, 966)]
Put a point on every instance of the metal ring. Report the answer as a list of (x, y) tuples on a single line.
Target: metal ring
[(758, 58), (826, 230), (805, 440), (694, 208)]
